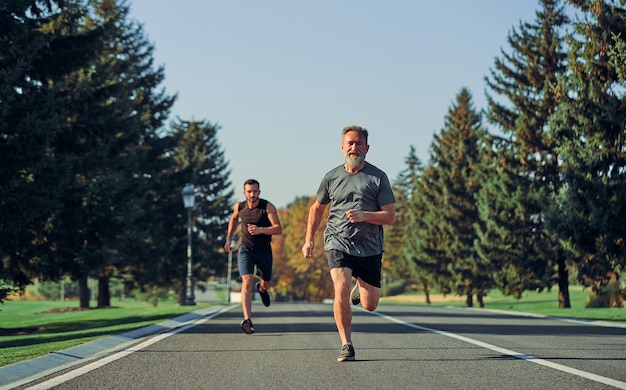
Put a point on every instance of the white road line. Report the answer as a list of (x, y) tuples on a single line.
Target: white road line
[(529, 358), (116, 356)]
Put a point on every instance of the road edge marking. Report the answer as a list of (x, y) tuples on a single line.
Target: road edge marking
[(529, 358)]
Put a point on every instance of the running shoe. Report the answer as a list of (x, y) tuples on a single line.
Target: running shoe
[(265, 296), (355, 295), (346, 354), (247, 327)]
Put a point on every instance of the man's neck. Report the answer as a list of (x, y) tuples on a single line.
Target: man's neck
[(355, 169)]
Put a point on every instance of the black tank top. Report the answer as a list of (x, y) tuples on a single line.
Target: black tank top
[(256, 216)]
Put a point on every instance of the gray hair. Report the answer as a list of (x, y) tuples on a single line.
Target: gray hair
[(360, 129)]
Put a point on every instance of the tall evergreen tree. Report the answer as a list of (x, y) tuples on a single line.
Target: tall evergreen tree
[(40, 44), (454, 157), (188, 153), (396, 264), (424, 240), (111, 105), (527, 80), (201, 160), (589, 128), (508, 231)]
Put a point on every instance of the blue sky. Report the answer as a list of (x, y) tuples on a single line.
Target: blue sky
[(283, 77)]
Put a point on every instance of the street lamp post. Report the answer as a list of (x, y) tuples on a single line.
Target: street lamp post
[(230, 270), (189, 199)]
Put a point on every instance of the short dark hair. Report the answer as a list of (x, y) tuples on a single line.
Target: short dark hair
[(251, 182), (360, 129)]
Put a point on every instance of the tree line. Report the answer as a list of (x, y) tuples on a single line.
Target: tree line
[(542, 194), (90, 175), (528, 193)]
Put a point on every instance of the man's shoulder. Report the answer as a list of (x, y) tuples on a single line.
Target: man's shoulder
[(336, 171), (373, 169)]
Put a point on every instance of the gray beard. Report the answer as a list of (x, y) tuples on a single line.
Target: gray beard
[(354, 162)]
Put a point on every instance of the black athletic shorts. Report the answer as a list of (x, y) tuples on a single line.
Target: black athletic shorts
[(367, 268)]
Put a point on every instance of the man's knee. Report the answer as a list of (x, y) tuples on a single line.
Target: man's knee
[(369, 306)]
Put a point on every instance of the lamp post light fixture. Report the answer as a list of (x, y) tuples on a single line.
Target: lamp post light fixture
[(189, 199)]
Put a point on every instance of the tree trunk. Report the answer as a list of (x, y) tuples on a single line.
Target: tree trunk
[(182, 294), (83, 292), (104, 293), (468, 301), (479, 300), (563, 281), (427, 293)]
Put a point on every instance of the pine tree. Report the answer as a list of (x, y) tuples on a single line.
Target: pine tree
[(40, 44), (188, 152), (201, 161), (589, 129), (508, 232), (527, 79), (424, 240), (396, 264), (454, 158), (112, 105)]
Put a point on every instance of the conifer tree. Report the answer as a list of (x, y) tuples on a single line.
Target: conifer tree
[(527, 79), (112, 104), (589, 129), (508, 232), (188, 153), (40, 44), (396, 264), (454, 157), (200, 160), (424, 238)]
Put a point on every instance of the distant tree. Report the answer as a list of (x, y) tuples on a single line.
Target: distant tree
[(283, 279), (528, 165), (201, 160), (455, 156), (588, 129), (188, 153), (396, 264), (311, 276)]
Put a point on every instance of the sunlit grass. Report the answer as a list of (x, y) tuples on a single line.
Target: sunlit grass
[(29, 329), (544, 303)]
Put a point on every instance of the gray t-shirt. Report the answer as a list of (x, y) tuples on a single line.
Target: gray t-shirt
[(367, 190)]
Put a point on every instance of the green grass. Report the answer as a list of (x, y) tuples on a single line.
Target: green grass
[(544, 303), (29, 329)]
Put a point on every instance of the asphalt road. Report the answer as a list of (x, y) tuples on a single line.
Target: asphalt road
[(397, 347)]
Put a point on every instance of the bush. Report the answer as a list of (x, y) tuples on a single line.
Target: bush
[(5, 292), (610, 295), (151, 295)]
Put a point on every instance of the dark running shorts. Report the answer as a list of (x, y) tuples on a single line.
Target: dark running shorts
[(247, 259), (367, 268)]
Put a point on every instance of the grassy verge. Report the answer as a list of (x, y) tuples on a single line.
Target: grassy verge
[(544, 303), (29, 329)]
